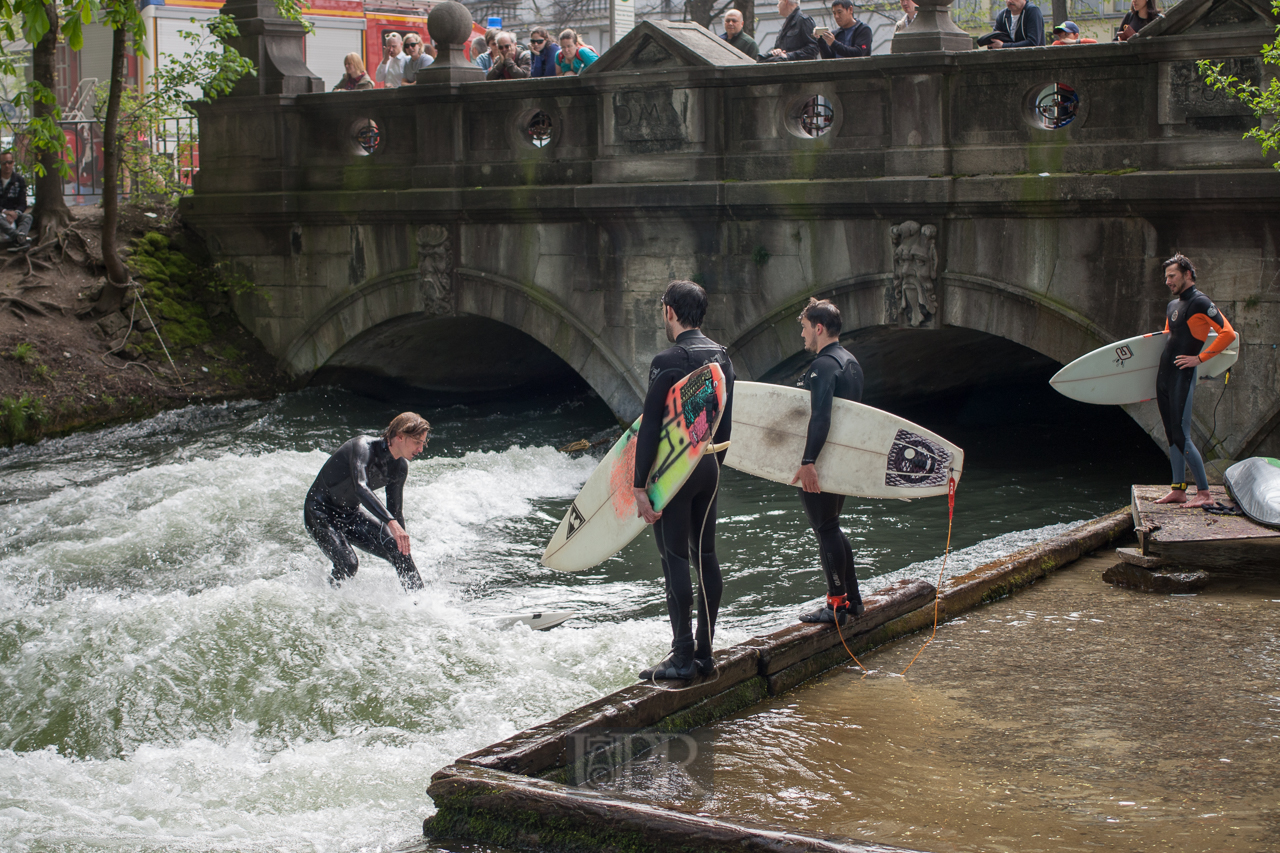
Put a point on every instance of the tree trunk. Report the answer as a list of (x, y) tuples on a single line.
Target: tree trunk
[(50, 213), (1059, 13), (116, 272), (748, 10)]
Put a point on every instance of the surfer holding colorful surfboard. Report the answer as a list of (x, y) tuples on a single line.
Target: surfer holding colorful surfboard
[(689, 517), (834, 373), (1189, 318)]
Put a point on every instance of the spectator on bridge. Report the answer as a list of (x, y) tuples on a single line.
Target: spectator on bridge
[(1142, 12), (852, 39), (1068, 32), (574, 57), (1019, 24), (356, 77), (478, 50), (486, 60), (543, 51), (512, 63), (390, 71), (734, 34), (15, 222), (908, 15), (795, 40), (418, 60)]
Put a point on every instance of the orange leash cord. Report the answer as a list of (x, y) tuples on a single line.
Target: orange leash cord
[(937, 591)]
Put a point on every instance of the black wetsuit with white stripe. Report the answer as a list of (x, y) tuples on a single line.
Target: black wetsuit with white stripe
[(834, 373)]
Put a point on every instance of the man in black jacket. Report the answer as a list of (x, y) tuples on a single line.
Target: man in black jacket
[(15, 222), (852, 39), (689, 518), (795, 40), (1019, 24)]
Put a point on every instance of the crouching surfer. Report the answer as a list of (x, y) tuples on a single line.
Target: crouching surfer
[(834, 373), (347, 482), (689, 518), (1188, 319)]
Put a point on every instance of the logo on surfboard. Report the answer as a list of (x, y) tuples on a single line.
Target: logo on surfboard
[(1123, 354), (575, 520), (916, 462)]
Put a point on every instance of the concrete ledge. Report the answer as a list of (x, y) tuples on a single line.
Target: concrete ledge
[(516, 812)]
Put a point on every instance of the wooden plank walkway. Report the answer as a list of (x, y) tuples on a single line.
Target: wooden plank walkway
[(1193, 538)]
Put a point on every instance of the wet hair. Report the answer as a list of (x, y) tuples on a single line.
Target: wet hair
[(688, 300), (1183, 263), (822, 312), (356, 62), (411, 424)]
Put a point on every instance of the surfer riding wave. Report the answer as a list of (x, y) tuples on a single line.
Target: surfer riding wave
[(1188, 319), (346, 483)]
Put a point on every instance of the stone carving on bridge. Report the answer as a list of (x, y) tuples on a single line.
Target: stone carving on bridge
[(435, 269), (913, 299)]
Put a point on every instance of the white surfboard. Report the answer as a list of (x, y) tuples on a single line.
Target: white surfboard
[(1125, 372), (543, 621), (869, 453)]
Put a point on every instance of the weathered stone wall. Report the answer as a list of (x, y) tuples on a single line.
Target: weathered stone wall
[(680, 169)]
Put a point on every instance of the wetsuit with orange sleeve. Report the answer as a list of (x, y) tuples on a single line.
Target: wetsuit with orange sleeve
[(1188, 319), (344, 487)]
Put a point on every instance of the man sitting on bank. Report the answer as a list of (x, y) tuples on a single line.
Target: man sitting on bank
[(852, 39), (332, 511), (736, 36), (795, 40)]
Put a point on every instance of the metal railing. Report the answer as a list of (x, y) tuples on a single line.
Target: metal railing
[(161, 157)]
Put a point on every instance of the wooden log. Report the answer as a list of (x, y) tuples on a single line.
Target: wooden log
[(515, 812), (997, 579)]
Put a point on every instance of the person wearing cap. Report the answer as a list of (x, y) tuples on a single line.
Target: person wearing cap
[(418, 59), (1069, 33)]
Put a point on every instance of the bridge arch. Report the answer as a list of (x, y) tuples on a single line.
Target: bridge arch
[(398, 304)]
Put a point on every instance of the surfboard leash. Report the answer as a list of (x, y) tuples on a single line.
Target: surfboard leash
[(937, 590)]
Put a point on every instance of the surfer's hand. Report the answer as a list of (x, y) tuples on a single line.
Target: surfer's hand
[(644, 509), (402, 538), (1185, 361), (808, 477)]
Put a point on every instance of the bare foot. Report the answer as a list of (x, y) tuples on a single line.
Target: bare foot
[(1175, 496), (1201, 499)]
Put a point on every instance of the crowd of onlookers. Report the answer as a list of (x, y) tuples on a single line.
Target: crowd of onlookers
[(502, 57)]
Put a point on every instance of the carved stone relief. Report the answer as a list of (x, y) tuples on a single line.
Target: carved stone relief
[(913, 299), (435, 269)]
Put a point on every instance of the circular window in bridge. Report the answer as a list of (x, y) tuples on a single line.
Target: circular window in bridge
[(367, 136), (538, 129), (814, 116), (1054, 107)]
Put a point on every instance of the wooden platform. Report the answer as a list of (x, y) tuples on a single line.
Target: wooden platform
[(1193, 538)]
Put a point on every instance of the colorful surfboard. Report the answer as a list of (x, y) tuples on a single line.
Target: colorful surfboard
[(602, 519)]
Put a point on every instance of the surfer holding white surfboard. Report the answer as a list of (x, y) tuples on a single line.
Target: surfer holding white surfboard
[(834, 373), (689, 517), (1189, 319)]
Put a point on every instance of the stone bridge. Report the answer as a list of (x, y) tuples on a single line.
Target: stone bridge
[(976, 215)]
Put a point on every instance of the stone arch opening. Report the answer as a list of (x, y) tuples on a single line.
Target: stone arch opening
[(444, 342)]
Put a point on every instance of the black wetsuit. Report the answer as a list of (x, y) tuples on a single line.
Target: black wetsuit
[(690, 517), (1188, 319), (332, 508), (834, 373)]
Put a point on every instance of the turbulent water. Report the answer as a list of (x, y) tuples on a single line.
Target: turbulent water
[(176, 674)]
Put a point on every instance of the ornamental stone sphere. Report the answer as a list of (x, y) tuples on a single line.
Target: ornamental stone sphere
[(449, 23)]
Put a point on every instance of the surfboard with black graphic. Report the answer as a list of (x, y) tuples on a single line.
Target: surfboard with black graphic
[(869, 453)]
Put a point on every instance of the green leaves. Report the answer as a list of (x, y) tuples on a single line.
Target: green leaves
[(1263, 103)]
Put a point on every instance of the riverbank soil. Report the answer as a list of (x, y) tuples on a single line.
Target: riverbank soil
[(66, 366), (1073, 715)]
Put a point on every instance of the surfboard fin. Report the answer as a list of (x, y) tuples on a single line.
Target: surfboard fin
[(716, 448)]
